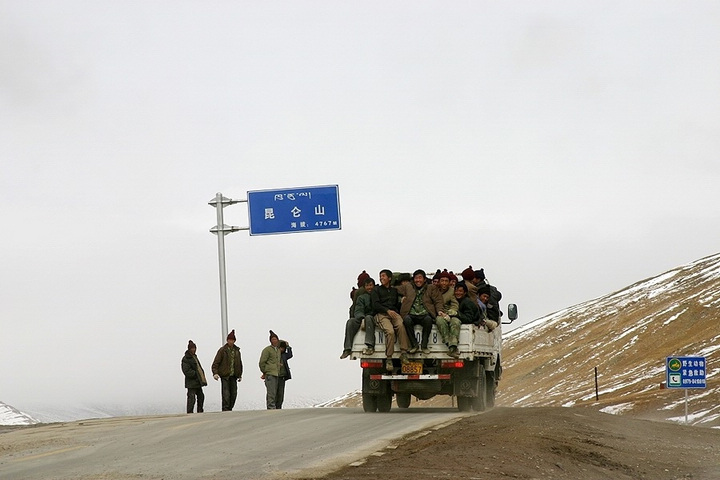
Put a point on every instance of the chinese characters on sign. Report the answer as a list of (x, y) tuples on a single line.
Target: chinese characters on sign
[(291, 210), (685, 372)]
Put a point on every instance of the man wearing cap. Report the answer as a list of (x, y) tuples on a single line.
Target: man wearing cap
[(447, 322), (228, 367), (194, 378), (273, 369), (421, 303), (488, 314)]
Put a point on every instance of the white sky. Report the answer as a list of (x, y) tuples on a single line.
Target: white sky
[(569, 148)]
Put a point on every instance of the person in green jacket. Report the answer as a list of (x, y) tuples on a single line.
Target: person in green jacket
[(272, 368)]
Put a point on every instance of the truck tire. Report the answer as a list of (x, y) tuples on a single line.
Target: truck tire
[(370, 403), (384, 403), (464, 404), (402, 400), (490, 389), (479, 403)]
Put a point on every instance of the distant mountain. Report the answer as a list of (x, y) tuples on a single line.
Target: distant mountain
[(627, 335), (12, 416)]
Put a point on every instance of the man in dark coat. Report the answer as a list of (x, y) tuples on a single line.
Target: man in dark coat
[(228, 367), (194, 378)]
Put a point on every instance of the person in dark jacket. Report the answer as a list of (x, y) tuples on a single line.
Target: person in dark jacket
[(386, 306), (285, 355), (468, 311), (228, 367), (194, 378), (361, 314)]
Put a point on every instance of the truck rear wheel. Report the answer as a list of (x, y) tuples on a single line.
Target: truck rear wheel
[(370, 403), (384, 403), (490, 389), (464, 404), (479, 403), (402, 400)]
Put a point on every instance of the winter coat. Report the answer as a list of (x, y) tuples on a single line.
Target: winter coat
[(270, 361), (221, 364), (287, 355), (468, 311), (450, 302), (193, 371), (363, 306), (432, 299), (384, 299)]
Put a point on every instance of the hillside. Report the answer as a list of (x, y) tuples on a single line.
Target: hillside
[(627, 335)]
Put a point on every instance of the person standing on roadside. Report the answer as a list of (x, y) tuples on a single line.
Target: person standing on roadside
[(272, 369), (285, 355), (228, 367), (194, 378)]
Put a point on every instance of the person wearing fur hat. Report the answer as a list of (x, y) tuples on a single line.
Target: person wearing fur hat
[(194, 378), (273, 371), (228, 368)]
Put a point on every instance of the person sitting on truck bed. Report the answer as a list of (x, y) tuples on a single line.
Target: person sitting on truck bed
[(468, 311), (486, 309), (421, 304), (385, 303), (494, 312), (447, 322), (361, 311)]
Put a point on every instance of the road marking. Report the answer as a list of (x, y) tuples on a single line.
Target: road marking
[(47, 454)]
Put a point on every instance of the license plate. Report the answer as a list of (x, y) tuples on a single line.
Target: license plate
[(412, 368)]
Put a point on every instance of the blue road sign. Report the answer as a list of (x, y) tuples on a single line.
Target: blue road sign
[(292, 210), (685, 372)]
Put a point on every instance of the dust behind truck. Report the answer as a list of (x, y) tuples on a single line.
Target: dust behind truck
[(471, 377)]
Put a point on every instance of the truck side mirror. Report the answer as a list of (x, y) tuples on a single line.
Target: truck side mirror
[(512, 312)]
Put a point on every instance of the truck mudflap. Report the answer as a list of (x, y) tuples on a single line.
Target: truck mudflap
[(441, 376)]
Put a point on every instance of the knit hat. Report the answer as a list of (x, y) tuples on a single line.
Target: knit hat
[(453, 277), (444, 274), (479, 274), (231, 335), (191, 345), (484, 289), (362, 277), (273, 334), (468, 274), (437, 274)]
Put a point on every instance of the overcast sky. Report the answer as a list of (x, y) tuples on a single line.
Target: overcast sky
[(568, 148)]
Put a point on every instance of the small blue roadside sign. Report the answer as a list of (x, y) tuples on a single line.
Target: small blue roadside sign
[(685, 372), (292, 210)]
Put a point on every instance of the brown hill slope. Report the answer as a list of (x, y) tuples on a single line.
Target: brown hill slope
[(627, 335)]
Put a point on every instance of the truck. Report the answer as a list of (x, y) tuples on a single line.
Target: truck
[(471, 377)]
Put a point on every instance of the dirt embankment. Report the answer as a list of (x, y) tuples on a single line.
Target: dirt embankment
[(548, 443)]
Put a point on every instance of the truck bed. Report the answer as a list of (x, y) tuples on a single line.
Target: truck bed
[(473, 342)]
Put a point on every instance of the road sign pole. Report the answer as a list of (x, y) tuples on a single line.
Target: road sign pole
[(221, 230), (686, 406)]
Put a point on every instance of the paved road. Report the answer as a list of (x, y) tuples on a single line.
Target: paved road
[(246, 445)]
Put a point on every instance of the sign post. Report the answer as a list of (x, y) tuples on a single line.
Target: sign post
[(685, 372), (290, 210)]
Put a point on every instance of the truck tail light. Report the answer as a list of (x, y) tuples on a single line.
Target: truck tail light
[(452, 364), (370, 363)]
